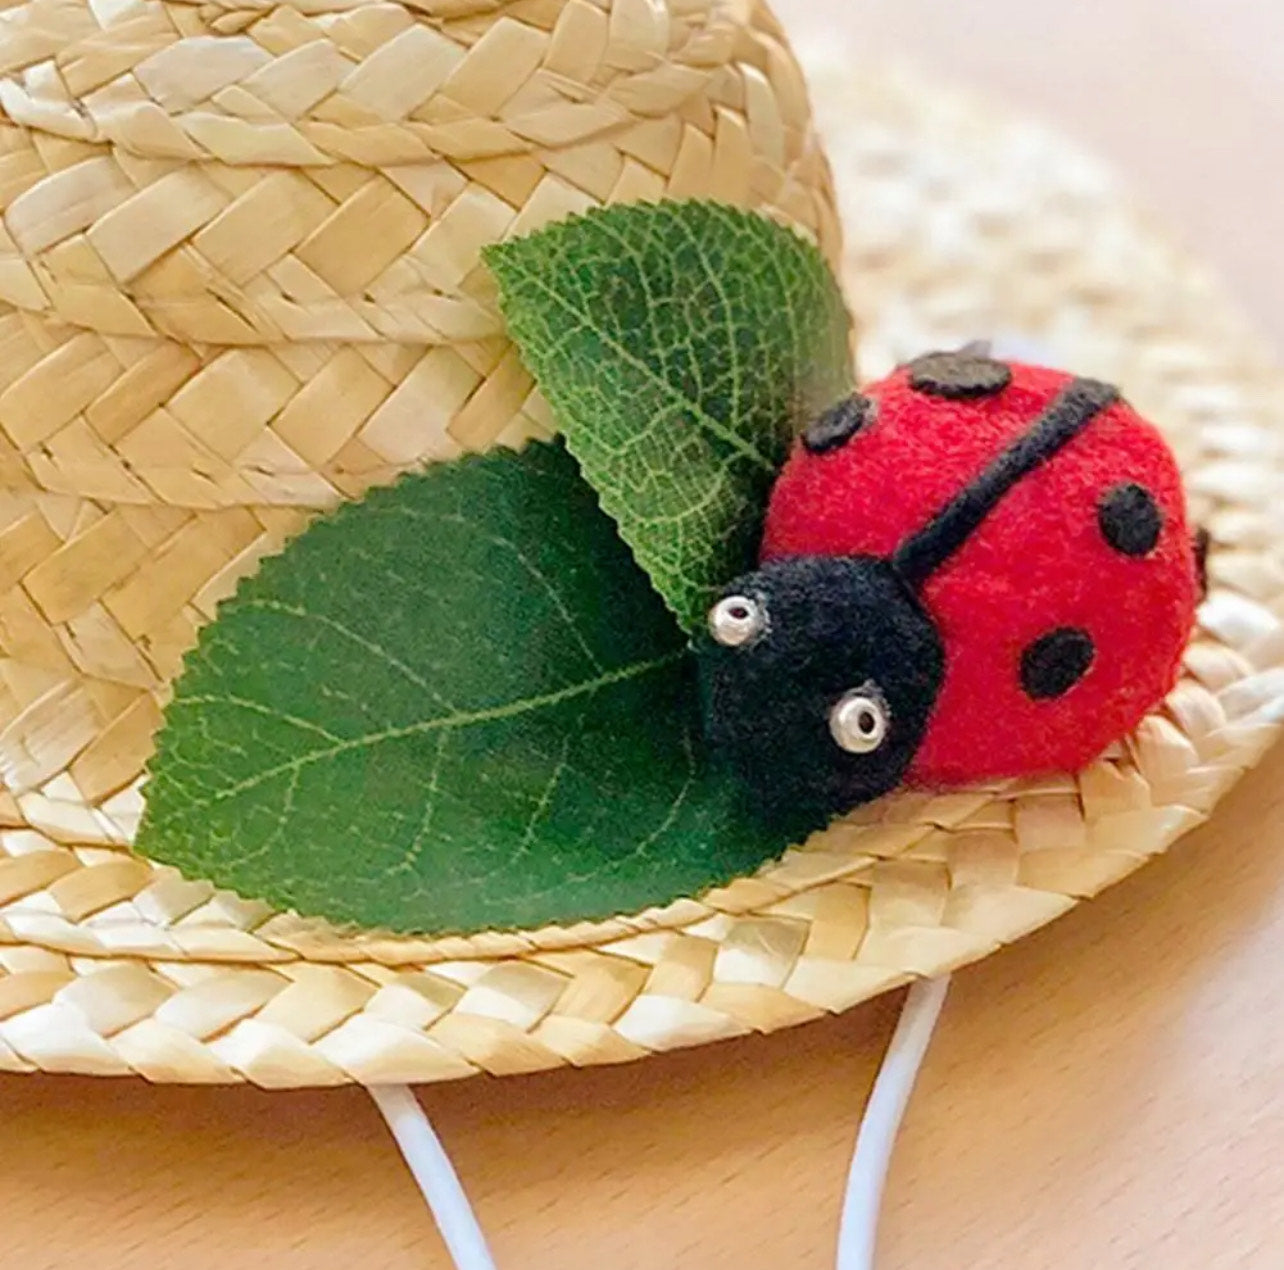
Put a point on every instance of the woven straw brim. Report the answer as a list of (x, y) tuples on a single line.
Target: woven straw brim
[(959, 224)]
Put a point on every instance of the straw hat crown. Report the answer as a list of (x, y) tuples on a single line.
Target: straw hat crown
[(240, 280)]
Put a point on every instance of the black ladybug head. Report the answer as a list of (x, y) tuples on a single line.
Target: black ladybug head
[(818, 675)]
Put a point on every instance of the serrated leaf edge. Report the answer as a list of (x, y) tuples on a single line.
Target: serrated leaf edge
[(506, 255)]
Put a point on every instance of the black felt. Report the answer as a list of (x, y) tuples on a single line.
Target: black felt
[(833, 624), (1203, 540), (920, 555), (960, 375), (1129, 519), (833, 429), (1055, 662)]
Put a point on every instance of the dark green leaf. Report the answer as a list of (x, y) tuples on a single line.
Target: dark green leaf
[(682, 346), (455, 705)]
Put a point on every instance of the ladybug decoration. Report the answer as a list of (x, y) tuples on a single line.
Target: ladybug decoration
[(970, 570)]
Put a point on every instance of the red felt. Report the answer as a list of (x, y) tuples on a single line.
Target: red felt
[(1039, 561)]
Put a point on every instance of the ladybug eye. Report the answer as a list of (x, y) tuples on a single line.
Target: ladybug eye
[(859, 721), (735, 621)]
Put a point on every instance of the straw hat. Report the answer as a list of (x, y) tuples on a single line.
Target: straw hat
[(240, 281)]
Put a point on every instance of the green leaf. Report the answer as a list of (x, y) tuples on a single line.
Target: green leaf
[(455, 705), (681, 346)]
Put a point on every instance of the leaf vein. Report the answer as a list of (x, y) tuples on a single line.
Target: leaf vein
[(647, 372), (462, 719)]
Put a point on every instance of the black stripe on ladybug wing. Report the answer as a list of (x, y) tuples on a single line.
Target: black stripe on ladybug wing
[(1074, 408)]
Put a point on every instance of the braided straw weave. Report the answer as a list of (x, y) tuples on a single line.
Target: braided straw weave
[(240, 279), (958, 225)]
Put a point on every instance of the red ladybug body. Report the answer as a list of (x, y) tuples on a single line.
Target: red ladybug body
[(1064, 608)]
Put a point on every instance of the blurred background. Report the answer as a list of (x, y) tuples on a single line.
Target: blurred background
[(1073, 1113), (1186, 97)]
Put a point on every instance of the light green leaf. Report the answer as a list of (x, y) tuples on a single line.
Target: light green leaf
[(455, 705), (681, 346)]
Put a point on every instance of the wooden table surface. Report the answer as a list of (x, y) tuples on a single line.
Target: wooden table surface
[(1107, 1094)]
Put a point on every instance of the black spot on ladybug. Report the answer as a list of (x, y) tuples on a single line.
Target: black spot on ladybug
[(958, 376), (1129, 519), (1055, 662), (837, 426)]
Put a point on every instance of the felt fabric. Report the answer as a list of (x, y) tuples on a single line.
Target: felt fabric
[(1037, 562), (1203, 540), (838, 424), (1073, 408), (959, 375), (833, 625), (1055, 662), (1129, 518)]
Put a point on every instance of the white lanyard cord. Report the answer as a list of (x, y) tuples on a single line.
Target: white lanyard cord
[(437, 1179), (858, 1228)]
